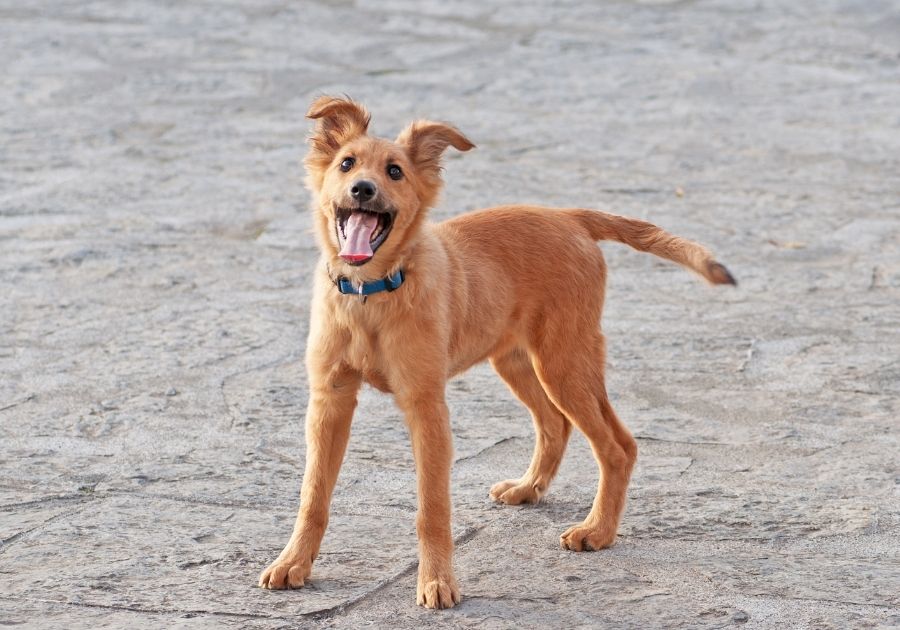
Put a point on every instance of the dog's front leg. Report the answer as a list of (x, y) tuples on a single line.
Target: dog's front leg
[(429, 428), (331, 403)]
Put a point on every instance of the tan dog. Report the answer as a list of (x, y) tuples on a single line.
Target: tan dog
[(519, 285)]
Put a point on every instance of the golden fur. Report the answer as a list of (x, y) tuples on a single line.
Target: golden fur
[(520, 286)]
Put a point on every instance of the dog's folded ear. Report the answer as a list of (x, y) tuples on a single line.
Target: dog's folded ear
[(338, 120), (426, 141)]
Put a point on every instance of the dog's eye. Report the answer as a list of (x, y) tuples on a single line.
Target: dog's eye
[(347, 164), (394, 172)]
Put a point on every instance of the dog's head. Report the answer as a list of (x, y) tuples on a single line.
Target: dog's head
[(371, 194)]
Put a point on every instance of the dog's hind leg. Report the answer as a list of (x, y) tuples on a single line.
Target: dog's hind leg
[(570, 367), (550, 427)]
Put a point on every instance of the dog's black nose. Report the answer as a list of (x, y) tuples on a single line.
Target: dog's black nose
[(363, 190)]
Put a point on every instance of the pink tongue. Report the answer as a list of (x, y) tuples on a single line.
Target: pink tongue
[(358, 230)]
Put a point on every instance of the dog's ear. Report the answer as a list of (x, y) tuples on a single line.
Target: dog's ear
[(338, 121), (426, 141)]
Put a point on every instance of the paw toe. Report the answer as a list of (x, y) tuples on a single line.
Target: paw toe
[(514, 492), (283, 575), (580, 538), (296, 576), (438, 594), (499, 488)]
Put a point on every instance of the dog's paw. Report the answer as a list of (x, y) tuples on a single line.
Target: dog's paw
[(586, 538), (437, 592), (283, 574), (515, 492)]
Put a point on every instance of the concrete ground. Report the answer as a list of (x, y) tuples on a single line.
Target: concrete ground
[(155, 264)]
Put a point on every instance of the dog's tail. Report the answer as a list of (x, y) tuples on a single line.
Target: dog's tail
[(646, 237)]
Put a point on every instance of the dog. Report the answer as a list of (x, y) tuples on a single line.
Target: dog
[(404, 305)]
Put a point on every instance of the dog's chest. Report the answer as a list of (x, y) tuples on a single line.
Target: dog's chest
[(363, 353)]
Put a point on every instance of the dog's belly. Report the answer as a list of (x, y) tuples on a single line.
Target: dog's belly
[(473, 354)]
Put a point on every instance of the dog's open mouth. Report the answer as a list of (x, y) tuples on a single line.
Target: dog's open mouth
[(361, 232)]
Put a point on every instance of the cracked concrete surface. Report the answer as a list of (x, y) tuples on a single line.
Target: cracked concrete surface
[(155, 257)]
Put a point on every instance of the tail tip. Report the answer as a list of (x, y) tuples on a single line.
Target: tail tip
[(719, 274)]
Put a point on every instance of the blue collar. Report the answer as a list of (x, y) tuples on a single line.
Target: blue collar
[(391, 283)]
